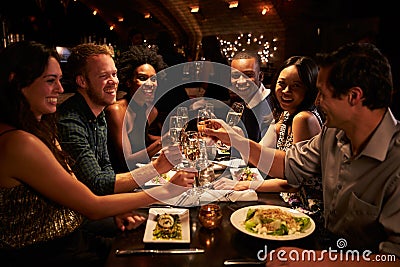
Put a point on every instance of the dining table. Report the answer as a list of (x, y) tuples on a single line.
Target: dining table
[(223, 243)]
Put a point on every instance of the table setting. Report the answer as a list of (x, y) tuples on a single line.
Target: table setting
[(208, 227)]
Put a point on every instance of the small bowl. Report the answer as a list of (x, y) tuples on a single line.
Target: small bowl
[(210, 216)]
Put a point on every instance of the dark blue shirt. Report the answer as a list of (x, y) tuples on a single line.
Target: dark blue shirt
[(84, 137)]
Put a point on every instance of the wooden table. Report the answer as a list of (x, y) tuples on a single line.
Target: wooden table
[(220, 244)]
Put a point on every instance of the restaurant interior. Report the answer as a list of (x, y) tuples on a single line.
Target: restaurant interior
[(277, 28)]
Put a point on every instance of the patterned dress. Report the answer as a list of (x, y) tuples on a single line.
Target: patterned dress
[(309, 197)]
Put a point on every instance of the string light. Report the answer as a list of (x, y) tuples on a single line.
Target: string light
[(251, 41), (264, 10), (233, 4), (194, 9)]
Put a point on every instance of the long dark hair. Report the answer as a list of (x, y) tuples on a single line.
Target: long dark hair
[(308, 72), (20, 64)]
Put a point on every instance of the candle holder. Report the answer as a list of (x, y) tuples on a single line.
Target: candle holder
[(210, 216)]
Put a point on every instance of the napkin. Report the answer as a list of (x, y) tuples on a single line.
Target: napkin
[(233, 163), (211, 195), (229, 195)]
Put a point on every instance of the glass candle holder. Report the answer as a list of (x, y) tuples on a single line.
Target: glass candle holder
[(210, 216)]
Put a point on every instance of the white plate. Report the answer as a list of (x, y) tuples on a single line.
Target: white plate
[(236, 172), (151, 224), (159, 180), (239, 216)]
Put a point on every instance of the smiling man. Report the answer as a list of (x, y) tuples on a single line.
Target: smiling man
[(246, 79), (356, 153), (83, 129)]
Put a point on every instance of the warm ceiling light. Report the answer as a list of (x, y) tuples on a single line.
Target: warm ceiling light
[(95, 12), (194, 9), (111, 27), (233, 4), (120, 19), (265, 10), (147, 15)]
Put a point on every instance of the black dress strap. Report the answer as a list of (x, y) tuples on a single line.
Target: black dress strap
[(9, 130)]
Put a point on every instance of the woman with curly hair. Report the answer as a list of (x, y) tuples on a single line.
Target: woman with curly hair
[(130, 118)]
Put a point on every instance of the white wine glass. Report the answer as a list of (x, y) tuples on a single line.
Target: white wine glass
[(184, 114), (192, 151), (175, 128), (203, 115), (234, 114), (232, 119)]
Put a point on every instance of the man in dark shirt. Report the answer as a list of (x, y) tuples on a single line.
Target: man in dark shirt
[(83, 131), (246, 79)]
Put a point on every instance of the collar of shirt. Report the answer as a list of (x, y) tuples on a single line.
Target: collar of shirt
[(78, 102), (259, 96), (379, 143)]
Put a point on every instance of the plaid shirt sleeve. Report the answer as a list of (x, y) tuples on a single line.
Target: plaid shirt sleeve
[(86, 142)]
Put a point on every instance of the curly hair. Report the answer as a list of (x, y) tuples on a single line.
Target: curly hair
[(360, 65), (308, 73), (20, 65), (135, 57)]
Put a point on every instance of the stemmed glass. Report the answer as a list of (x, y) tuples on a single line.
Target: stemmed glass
[(234, 114), (202, 116), (191, 149), (195, 151), (232, 119), (184, 114), (175, 128)]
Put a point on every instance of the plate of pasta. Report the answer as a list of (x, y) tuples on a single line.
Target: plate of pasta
[(272, 222)]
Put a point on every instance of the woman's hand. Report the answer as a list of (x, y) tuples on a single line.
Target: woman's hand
[(180, 182), (220, 130), (229, 184), (170, 156), (129, 220)]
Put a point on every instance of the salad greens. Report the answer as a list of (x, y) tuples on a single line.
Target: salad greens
[(274, 222)]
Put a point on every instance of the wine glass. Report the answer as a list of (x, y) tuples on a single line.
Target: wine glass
[(234, 114), (202, 116), (184, 114), (206, 177), (175, 128), (210, 109), (232, 119), (191, 147), (195, 154)]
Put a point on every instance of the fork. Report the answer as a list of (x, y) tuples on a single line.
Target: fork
[(182, 199)]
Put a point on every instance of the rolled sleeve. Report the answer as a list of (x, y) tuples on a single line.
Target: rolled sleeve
[(302, 161)]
